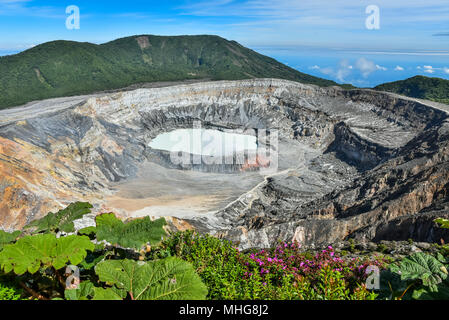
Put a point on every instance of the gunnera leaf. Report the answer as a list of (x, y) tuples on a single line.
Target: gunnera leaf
[(108, 294), (444, 223), (84, 292), (62, 220), (88, 231), (391, 285), (167, 279), (31, 253), (133, 234), (421, 266), (442, 293), (6, 237), (94, 257)]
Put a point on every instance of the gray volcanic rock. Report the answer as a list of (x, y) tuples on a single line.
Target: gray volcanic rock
[(351, 164)]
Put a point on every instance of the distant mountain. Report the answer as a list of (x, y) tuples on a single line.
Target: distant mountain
[(434, 89), (63, 68)]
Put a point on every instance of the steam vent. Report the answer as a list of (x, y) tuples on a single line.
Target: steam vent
[(357, 163)]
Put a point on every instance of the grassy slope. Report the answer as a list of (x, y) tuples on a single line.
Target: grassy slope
[(434, 89), (63, 68)]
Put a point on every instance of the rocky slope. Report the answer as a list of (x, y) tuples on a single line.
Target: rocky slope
[(360, 163)]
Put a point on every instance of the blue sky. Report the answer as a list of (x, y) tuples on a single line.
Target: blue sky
[(326, 38)]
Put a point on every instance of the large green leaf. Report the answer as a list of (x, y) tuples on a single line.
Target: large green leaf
[(62, 220), (6, 237), (84, 292), (423, 267), (44, 250), (168, 279), (94, 257), (444, 223), (71, 248), (88, 231), (133, 234), (109, 294), (442, 293), (391, 285)]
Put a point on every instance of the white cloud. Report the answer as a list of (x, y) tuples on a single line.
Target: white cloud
[(327, 71), (340, 72), (344, 69), (381, 68), (429, 69), (365, 66), (398, 68), (432, 69), (315, 67)]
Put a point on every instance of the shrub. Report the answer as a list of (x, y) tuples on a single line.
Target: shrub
[(284, 272), (8, 292)]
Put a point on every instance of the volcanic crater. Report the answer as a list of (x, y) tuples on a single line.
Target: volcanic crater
[(350, 163)]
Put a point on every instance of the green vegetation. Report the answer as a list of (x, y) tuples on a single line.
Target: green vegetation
[(44, 265), (129, 261), (33, 253), (168, 279), (134, 234), (62, 220), (421, 87), (64, 68), (9, 292), (444, 223), (420, 276), (6, 237), (281, 273)]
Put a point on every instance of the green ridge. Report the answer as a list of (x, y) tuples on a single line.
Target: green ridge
[(64, 68), (421, 87)]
